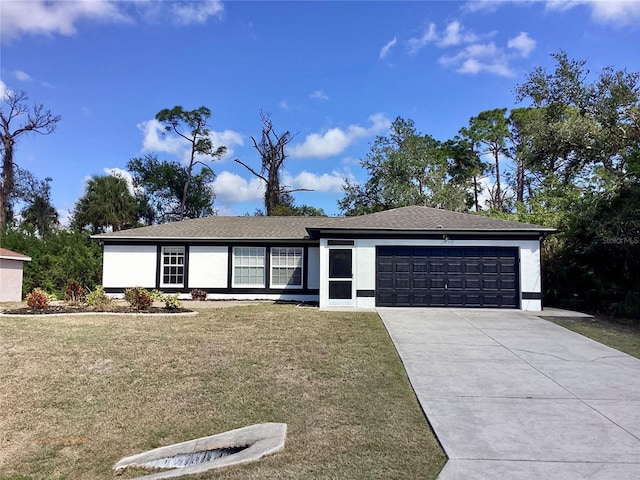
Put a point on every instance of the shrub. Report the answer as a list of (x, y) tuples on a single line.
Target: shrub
[(157, 295), (138, 297), (198, 294), (74, 292), (98, 297), (38, 299), (171, 302)]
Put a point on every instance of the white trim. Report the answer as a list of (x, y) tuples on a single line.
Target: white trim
[(20, 259), (162, 265), (272, 266), (325, 301), (233, 268)]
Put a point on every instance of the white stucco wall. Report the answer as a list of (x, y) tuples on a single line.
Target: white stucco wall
[(364, 266), (10, 280), (129, 266), (208, 266)]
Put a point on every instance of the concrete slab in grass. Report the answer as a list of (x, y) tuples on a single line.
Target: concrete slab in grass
[(256, 442)]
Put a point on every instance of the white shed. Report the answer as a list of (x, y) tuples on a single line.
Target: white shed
[(11, 265)]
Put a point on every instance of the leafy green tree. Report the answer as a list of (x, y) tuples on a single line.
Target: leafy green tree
[(56, 259), (465, 167), (405, 168), (159, 185), (106, 205), (308, 211), (40, 212), (197, 135), (588, 131), (33, 120), (489, 133), (271, 147)]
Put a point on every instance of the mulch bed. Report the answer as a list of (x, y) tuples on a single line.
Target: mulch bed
[(51, 309)]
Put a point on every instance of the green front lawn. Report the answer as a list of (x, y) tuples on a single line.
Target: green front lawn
[(80, 392)]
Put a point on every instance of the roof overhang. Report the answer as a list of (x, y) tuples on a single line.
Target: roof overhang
[(13, 257), (324, 232)]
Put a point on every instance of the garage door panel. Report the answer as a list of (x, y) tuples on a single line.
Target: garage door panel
[(472, 283), (447, 277), (420, 283), (385, 282)]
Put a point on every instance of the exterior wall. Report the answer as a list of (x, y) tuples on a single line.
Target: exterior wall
[(364, 266), (127, 266), (10, 280), (208, 266)]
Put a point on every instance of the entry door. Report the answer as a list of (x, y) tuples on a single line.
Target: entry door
[(340, 276)]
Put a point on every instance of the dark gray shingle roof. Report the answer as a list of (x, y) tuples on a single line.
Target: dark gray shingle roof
[(411, 219), (426, 218)]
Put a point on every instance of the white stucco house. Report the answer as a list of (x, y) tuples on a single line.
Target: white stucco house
[(11, 271), (410, 256)]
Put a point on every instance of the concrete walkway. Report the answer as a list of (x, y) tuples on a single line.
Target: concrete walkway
[(512, 396)]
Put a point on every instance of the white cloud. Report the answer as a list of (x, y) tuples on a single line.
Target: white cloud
[(4, 90), (334, 141), (155, 140), (46, 17), (41, 17), (478, 58), (416, 44), (284, 105), (619, 12), (22, 76), (454, 35), (523, 43), (471, 55), (318, 183), (227, 138), (319, 95), (384, 51), (196, 12), (480, 5), (232, 188), (120, 173)]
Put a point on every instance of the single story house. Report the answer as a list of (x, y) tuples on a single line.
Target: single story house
[(409, 256), (11, 264)]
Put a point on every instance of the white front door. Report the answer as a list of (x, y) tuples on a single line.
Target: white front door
[(340, 277)]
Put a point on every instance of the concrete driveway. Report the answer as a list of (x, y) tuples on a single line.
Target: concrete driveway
[(512, 396)]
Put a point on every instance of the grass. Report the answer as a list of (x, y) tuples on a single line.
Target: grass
[(80, 392), (623, 337)]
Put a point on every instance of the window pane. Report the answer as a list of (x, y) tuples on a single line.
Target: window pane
[(286, 266), (173, 266), (340, 290), (248, 266), (340, 263)]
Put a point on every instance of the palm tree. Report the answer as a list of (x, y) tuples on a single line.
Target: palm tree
[(107, 204)]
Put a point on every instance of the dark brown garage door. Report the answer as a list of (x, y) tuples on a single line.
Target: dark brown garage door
[(447, 277)]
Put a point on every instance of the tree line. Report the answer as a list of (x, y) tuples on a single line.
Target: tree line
[(568, 158)]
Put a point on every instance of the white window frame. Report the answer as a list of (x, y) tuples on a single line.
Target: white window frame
[(286, 257), (174, 251), (244, 251)]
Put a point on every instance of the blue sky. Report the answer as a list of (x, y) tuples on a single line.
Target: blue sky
[(334, 73)]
